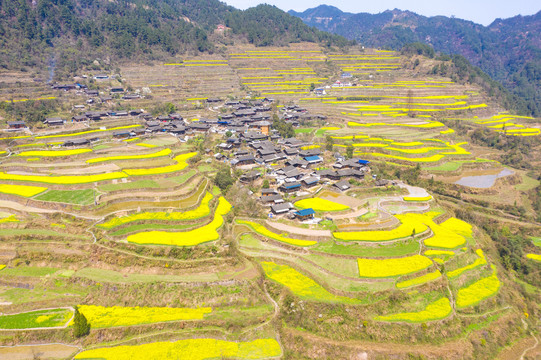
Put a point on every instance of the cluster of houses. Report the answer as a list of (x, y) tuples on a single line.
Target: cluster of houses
[(302, 167)]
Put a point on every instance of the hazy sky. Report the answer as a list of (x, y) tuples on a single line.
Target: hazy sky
[(479, 11)]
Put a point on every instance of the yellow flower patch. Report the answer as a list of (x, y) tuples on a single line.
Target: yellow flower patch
[(88, 132), (419, 280), (163, 152), (319, 204), (383, 268), (458, 226), (51, 153), (189, 349), (103, 317), (433, 158), (481, 260), (65, 179), (8, 219), (418, 198), (146, 145), (406, 229), (181, 165), (197, 236), (201, 211), (438, 310), (478, 291), (261, 230), (301, 285), (21, 190), (535, 257)]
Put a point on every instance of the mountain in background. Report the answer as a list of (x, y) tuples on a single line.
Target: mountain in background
[(509, 50)]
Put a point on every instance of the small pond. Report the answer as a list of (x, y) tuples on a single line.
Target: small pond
[(483, 181)]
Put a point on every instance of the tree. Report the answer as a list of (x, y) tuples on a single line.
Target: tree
[(349, 151), (330, 143), (81, 327), (224, 179), (228, 133), (266, 184)]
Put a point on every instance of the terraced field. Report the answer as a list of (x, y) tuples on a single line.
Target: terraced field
[(164, 264)]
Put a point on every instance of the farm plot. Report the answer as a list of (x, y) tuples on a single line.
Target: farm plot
[(392, 267), (535, 257), (160, 153), (419, 280), (79, 197), (188, 238), (263, 231), (437, 310), (21, 190), (54, 153), (103, 317), (319, 204), (201, 211), (478, 291), (301, 285), (481, 260), (36, 319), (189, 349), (409, 226)]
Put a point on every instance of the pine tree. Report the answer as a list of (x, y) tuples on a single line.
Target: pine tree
[(81, 327)]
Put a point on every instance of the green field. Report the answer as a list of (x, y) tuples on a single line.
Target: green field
[(77, 197), (137, 184), (36, 319), (29, 271)]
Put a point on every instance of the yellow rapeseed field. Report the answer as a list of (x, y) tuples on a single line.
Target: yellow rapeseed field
[(260, 229), (181, 165), (301, 285), (21, 190), (409, 224), (437, 310), (64, 179), (419, 280), (481, 260), (53, 153), (478, 291), (189, 349), (535, 257), (163, 152), (458, 226), (102, 317), (9, 219), (194, 237), (382, 268), (319, 204), (418, 198), (201, 211)]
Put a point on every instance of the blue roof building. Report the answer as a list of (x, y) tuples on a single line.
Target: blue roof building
[(305, 214)]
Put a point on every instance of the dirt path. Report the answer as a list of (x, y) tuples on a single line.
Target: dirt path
[(20, 207), (300, 231)]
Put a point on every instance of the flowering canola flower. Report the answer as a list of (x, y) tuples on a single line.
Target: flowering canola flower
[(319, 204), (54, 153), (437, 310), (406, 228), (188, 349), (481, 260), (383, 268), (102, 317), (201, 211), (478, 291), (419, 280), (21, 190), (194, 237), (260, 229), (163, 152), (301, 285)]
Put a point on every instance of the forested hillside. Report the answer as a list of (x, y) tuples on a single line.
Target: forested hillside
[(75, 31), (508, 50)]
